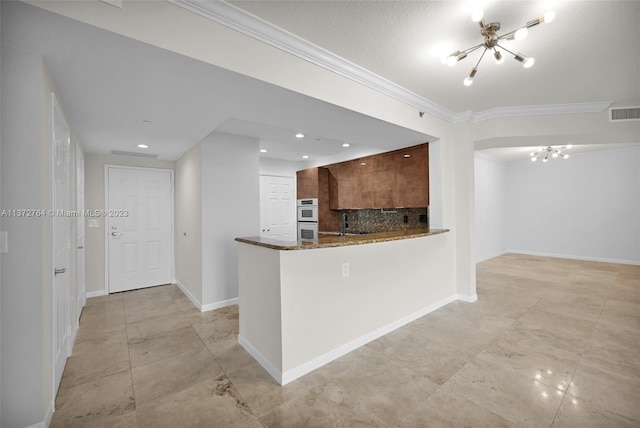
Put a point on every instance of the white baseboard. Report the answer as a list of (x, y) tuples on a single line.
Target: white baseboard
[(74, 334), (47, 417), (209, 306), (220, 304), (261, 359), (467, 298), (284, 378), (191, 297), (485, 258), (98, 293), (573, 257)]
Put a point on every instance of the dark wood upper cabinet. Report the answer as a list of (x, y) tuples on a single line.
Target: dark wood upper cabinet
[(389, 180), (363, 185), (384, 181), (307, 183), (412, 177)]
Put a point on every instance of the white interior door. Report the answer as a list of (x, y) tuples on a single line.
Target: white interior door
[(277, 208), (61, 242), (140, 228), (80, 255)]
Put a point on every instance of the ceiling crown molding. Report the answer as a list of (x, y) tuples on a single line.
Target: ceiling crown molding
[(246, 23), (549, 109), (259, 29)]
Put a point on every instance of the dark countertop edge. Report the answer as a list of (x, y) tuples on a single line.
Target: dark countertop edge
[(328, 241)]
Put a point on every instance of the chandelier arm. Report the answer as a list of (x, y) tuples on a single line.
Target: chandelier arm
[(511, 33), (481, 56), (502, 47), (472, 49)]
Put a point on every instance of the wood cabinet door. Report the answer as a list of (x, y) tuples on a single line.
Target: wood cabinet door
[(412, 177), (362, 183), (384, 181), (307, 183), (334, 189)]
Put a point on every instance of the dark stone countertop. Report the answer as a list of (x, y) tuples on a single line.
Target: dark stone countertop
[(332, 239)]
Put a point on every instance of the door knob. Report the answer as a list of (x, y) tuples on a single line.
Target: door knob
[(59, 271), (116, 233)]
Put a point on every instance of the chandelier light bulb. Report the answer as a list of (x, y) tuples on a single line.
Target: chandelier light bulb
[(477, 15), (521, 33), (534, 159), (545, 159), (565, 156), (499, 58), (555, 154), (451, 60), (528, 63), (532, 154), (469, 80), (549, 16), (569, 146)]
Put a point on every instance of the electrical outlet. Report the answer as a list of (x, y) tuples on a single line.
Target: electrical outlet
[(345, 270)]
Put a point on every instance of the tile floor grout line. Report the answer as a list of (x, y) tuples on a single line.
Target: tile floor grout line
[(133, 387)]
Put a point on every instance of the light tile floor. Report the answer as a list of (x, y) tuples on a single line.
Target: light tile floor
[(549, 343)]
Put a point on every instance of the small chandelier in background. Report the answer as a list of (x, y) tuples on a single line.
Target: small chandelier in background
[(549, 151), (490, 33)]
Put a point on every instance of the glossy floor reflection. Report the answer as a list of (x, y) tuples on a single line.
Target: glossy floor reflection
[(549, 343)]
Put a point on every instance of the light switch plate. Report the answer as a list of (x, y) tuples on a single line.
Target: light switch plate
[(94, 222)]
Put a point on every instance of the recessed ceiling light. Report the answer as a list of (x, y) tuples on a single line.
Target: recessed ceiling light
[(305, 157), (407, 155), (346, 144), (299, 135), (263, 150), (143, 146)]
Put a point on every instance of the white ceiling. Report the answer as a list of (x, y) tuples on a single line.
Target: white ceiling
[(110, 83), (590, 52)]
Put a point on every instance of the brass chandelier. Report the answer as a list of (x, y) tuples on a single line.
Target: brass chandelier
[(489, 32)]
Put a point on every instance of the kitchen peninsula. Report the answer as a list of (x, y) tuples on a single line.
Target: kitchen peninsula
[(306, 303)]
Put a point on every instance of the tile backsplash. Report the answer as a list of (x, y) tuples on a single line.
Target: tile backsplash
[(377, 220)]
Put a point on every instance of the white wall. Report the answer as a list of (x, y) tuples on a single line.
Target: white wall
[(491, 207), (188, 218), (27, 267), (585, 207), (23, 274), (1, 227), (279, 168), (230, 208), (95, 200)]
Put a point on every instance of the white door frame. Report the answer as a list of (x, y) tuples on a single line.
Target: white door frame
[(106, 231), (81, 286), (55, 108)]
